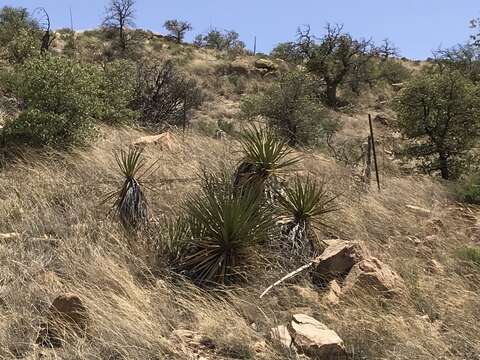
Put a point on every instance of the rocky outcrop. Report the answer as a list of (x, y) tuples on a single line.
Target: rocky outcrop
[(373, 274), (336, 261), (266, 64)]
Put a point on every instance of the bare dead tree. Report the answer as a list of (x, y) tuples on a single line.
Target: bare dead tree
[(178, 29), (387, 50), (119, 16)]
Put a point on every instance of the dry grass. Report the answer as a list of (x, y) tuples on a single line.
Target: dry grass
[(139, 310), (67, 243)]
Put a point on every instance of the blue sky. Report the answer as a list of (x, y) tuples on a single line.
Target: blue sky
[(416, 26)]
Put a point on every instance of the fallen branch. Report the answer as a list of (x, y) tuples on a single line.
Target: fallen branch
[(288, 276)]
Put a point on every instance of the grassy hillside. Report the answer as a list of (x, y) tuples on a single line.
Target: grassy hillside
[(56, 236)]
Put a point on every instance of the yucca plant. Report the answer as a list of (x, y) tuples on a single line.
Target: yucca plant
[(129, 201), (306, 201), (264, 155), (224, 227), (175, 236)]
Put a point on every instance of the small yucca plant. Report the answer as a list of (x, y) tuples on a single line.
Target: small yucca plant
[(129, 201), (223, 227), (265, 155), (174, 239), (306, 202)]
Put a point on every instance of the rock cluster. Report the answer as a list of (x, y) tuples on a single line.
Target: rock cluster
[(344, 266)]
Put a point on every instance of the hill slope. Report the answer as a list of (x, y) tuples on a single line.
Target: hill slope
[(56, 237)]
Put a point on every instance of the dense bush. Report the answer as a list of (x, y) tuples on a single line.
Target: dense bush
[(393, 71), (439, 112), (292, 108), (468, 189), (60, 99), (221, 41), (20, 34), (289, 52), (165, 96), (117, 90)]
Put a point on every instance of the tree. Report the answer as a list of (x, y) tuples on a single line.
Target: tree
[(119, 16), (20, 34), (464, 58), (387, 50), (221, 41), (178, 29), (333, 57), (440, 113), (290, 106)]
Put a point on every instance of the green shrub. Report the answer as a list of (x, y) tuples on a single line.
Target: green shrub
[(470, 255), (20, 34), (60, 99), (117, 91), (468, 189), (393, 71), (290, 106)]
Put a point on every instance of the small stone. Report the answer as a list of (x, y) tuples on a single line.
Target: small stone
[(334, 292), (67, 316), (419, 210)]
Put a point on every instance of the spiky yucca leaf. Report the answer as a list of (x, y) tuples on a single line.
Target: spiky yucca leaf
[(223, 226), (265, 154), (174, 239), (129, 201), (306, 201)]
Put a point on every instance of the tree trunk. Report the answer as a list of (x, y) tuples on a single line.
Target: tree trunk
[(332, 95), (443, 161), (123, 44)]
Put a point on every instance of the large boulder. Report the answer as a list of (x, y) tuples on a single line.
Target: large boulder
[(316, 340), (266, 64), (240, 67), (373, 274), (67, 316), (336, 261)]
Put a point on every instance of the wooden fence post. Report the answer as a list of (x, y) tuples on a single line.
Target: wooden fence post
[(373, 149)]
